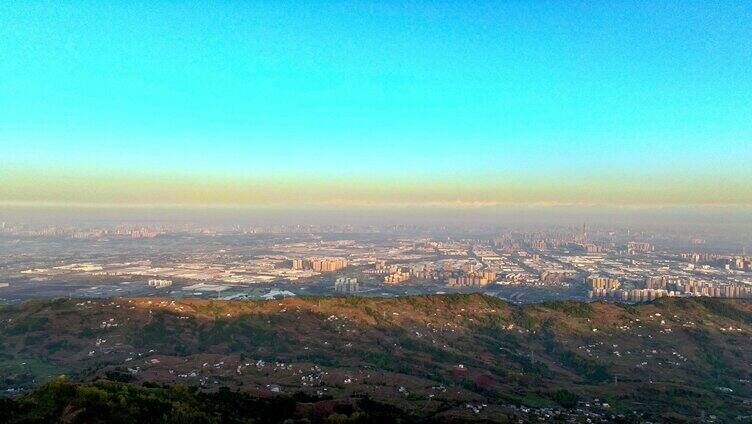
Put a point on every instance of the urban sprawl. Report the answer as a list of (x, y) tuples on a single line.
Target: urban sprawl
[(234, 262)]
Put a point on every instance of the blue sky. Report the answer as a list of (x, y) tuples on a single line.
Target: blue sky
[(228, 89)]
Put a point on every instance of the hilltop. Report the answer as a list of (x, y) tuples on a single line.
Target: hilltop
[(430, 357)]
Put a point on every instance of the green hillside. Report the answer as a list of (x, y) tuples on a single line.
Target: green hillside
[(427, 357)]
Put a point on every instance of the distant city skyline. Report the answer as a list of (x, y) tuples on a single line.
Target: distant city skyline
[(457, 104)]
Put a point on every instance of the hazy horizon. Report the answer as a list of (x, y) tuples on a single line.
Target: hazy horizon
[(521, 216)]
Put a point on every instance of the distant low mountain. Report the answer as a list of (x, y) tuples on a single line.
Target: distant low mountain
[(442, 358)]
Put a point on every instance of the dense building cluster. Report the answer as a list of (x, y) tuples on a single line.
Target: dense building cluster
[(396, 277), (601, 286), (472, 279), (741, 262), (319, 264), (662, 286)]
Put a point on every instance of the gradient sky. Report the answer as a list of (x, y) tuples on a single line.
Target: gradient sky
[(459, 103)]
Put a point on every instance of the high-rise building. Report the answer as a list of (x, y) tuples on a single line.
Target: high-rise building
[(320, 264), (606, 283), (346, 285)]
